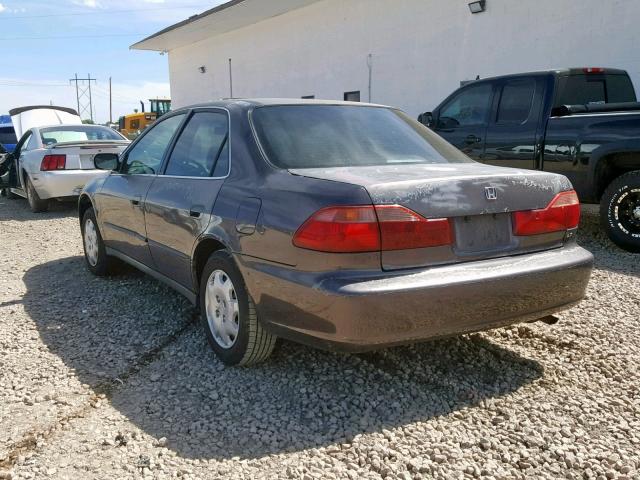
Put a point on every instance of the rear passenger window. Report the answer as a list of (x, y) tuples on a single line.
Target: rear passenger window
[(516, 102), (201, 147)]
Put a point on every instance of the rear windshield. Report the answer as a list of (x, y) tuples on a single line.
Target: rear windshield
[(77, 133), (594, 89), (8, 136), (319, 136)]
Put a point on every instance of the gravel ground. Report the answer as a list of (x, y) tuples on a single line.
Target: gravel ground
[(112, 379)]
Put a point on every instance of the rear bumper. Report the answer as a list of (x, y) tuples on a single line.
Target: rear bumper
[(350, 311), (63, 183)]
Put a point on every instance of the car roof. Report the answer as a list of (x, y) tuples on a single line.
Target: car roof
[(262, 102)]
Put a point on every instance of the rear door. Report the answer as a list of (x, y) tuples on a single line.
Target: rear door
[(179, 204), (512, 131), (463, 119), (121, 199)]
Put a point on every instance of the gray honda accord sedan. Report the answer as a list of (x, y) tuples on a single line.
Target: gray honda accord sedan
[(340, 225)]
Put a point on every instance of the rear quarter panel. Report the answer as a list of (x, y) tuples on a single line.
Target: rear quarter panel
[(575, 145)]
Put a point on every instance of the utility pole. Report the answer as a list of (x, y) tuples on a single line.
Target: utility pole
[(230, 80), (83, 94), (110, 103), (370, 65)]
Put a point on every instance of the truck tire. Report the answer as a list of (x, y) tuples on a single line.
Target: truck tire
[(620, 211), (229, 316), (36, 204)]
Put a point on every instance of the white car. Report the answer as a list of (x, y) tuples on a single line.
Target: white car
[(54, 156)]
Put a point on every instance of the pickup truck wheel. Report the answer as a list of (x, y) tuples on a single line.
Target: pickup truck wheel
[(620, 211), (36, 204), (94, 250), (229, 316)]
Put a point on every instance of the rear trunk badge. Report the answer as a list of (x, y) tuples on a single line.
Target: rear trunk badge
[(491, 193)]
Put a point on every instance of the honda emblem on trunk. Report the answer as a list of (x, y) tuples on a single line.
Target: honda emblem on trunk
[(491, 193)]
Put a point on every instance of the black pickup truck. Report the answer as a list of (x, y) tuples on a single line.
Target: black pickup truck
[(583, 123)]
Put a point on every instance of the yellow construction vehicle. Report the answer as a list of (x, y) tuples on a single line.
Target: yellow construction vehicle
[(134, 124)]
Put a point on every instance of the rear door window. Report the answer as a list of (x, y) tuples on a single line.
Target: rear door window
[(516, 101), (201, 144)]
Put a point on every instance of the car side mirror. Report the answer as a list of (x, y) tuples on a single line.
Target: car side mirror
[(106, 161), (426, 119)]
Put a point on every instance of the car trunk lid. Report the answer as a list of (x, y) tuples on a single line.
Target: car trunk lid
[(477, 199), (80, 154)]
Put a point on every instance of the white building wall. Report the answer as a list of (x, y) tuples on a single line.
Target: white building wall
[(421, 49)]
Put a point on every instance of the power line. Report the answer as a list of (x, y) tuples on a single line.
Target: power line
[(26, 84), (110, 12), (76, 36)]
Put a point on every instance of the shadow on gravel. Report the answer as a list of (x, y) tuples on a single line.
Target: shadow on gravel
[(18, 210), (608, 256), (132, 328)]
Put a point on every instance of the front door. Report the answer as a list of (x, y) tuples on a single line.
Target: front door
[(462, 120), (121, 199), (180, 202), (512, 132)]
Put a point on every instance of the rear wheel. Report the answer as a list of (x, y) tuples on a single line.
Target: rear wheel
[(229, 316), (94, 250), (620, 211), (36, 204)]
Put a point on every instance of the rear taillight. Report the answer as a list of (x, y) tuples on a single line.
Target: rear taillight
[(340, 230), (53, 162), (402, 229), (562, 213), (371, 229)]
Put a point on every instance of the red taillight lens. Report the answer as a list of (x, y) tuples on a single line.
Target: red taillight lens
[(563, 213), (340, 230), (371, 229), (593, 70), (401, 229), (53, 162)]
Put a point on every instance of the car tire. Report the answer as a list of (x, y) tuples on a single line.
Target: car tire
[(620, 211), (95, 254), (36, 204), (228, 314)]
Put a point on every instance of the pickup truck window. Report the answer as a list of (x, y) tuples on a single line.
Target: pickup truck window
[(594, 89), (469, 107), (516, 101)]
